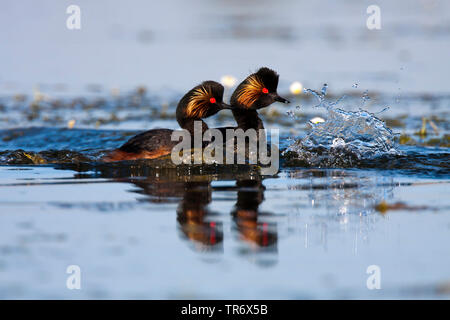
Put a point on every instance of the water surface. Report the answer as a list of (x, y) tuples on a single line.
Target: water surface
[(144, 230), (139, 230)]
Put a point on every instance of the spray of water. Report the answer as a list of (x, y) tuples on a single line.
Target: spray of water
[(345, 137)]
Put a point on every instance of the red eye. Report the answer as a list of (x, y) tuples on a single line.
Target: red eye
[(212, 100), (264, 90)]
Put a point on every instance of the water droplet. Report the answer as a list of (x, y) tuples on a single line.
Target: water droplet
[(291, 114), (365, 97), (324, 89), (383, 110), (355, 85), (338, 142)]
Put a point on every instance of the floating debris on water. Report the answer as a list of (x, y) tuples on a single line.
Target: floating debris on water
[(384, 207)]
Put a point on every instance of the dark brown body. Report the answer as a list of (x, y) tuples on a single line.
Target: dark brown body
[(147, 145), (200, 102)]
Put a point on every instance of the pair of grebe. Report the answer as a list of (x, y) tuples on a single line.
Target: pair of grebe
[(257, 91)]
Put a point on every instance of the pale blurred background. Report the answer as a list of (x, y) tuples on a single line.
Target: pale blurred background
[(175, 44)]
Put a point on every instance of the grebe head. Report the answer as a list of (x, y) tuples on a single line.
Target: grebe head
[(202, 101), (258, 90)]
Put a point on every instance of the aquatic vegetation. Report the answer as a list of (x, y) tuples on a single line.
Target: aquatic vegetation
[(423, 133), (43, 157), (394, 122), (406, 139), (443, 141), (383, 207)]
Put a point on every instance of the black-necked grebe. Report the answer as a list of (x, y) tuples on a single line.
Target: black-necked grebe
[(200, 102), (258, 90)]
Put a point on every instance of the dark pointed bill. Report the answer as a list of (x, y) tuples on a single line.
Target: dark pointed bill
[(225, 106), (280, 99)]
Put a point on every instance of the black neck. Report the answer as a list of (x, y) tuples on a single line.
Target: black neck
[(247, 119), (188, 124)]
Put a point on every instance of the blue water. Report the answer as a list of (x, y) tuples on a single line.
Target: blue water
[(141, 230), (340, 203)]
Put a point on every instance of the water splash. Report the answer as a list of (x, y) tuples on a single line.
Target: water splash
[(291, 114), (345, 137), (319, 95), (365, 97)]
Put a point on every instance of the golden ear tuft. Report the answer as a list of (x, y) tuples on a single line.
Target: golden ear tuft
[(250, 91), (198, 103)]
